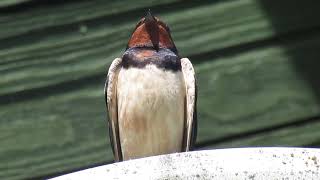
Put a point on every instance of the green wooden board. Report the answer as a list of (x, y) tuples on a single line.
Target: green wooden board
[(296, 136), (196, 30), (256, 66), (258, 88), (61, 13), (8, 3)]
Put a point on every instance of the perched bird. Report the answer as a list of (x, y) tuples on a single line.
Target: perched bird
[(151, 95)]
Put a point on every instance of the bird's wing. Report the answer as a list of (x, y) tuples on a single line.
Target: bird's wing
[(190, 131), (110, 92)]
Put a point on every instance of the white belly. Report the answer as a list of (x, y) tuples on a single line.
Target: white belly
[(150, 111)]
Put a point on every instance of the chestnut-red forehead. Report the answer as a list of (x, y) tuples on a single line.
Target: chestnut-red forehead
[(159, 22), (141, 37)]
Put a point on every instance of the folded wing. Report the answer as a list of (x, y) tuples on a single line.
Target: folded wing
[(110, 92), (190, 131)]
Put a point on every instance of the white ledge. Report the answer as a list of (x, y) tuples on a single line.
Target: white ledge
[(238, 163)]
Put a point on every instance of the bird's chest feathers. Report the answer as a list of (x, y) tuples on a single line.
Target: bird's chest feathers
[(150, 107), (150, 87)]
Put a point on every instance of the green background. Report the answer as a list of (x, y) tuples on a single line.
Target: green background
[(257, 65)]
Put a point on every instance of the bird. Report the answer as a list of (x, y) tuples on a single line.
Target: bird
[(151, 95)]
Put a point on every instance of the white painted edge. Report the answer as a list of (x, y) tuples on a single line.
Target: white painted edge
[(237, 163)]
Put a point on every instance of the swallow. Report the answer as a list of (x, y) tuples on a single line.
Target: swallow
[(151, 95)]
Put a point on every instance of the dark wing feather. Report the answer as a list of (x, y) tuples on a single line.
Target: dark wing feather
[(110, 92), (190, 131)]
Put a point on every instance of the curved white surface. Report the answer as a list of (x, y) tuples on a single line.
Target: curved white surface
[(239, 163)]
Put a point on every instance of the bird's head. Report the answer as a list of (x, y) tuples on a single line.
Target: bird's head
[(151, 32)]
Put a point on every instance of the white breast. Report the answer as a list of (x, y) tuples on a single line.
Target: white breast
[(150, 111)]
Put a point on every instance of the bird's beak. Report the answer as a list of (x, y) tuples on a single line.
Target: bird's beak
[(152, 29)]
